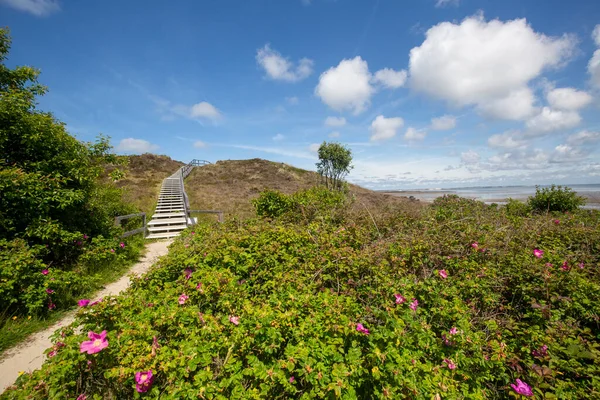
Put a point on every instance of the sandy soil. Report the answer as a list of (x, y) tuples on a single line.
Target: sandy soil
[(30, 356)]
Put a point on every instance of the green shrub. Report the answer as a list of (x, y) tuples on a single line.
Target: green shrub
[(555, 198), (517, 208), (272, 204)]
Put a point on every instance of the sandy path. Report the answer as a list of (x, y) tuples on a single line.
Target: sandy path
[(30, 356)]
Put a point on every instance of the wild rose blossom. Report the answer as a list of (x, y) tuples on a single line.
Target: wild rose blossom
[(96, 344), (581, 265), (446, 341), (292, 379), (112, 250), (415, 303), (93, 303), (122, 245), (443, 273), (183, 298), (51, 306), (557, 221), (360, 328), (449, 363), (82, 396), (541, 352), (199, 286), (399, 298), (453, 331), (188, 273), (565, 266), (143, 381), (49, 291), (475, 245), (522, 388), (45, 272), (52, 353), (83, 302), (234, 320), (538, 253)]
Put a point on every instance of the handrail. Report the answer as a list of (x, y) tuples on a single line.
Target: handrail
[(135, 231)]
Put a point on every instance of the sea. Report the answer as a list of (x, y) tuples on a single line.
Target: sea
[(499, 194)]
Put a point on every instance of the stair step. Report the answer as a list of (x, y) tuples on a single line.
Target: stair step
[(165, 235), (168, 215), (165, 221), (167, 228)]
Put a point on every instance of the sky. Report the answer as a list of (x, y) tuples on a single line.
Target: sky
[(426, 93)]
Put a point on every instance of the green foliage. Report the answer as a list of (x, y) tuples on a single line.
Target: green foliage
[(271, 204), (334, 164), (54, 213), (555, 198), (517, 208), (301, 289)]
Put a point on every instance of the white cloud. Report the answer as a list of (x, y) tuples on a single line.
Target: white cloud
[(443, 123), (583, 137), (568, 99), (564, 153), (596, 35), (383, 128), (292, 100), (347, 86), (445, 3), (487, 64), (335, 121), (334, 135), (413, 134), (389, 78), (517, 105), (314, 148), (470, 157), (594, 68), (199, 144), (39, 8), (204, 110), (549, 120), (280, 68), (507, 140), (279, 137), (518, 160), (135, 146)]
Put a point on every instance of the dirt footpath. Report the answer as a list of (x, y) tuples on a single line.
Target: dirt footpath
[(29, 355)]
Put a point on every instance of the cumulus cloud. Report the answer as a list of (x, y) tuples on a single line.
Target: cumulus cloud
[(443, 123), (280, 68), (389, 78), (469, 157), (383, 128), (204, 110), (549, 120), (279, 137), (40, 8), (485, 63), (412, 134), (335, 121), (568, 99), (515, 160), (135, 146), (507, 140), (594, 63), (347, 86), (563, 153), (583, 137), (198, 144)]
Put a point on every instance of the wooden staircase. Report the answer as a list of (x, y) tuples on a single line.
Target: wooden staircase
[(172, 210)]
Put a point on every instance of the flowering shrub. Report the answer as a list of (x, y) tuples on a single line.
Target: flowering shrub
[(274, 309)]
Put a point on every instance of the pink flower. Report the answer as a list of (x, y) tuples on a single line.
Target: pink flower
[(446, 341), (541, 352), (475, 245), (292, 379), (112, 250), (82, 396), (45, 272), (96, 344), (234, 320), (51, 306), (122, 245), (522, 388), (538, 253), (399, 298), (581, 265), (199, 286), (85, 236), (557, 221), (83, 302), (565, 266), (443, 273), (360, 328), (449, 363), (453, 331), (548, 265), (52, 353), (183, 298), (93, 303), (143, 381), (49, 291), (188, 273), (413, 306)]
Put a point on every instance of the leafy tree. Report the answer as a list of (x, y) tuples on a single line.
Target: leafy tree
[(334, 164), (555, 198)]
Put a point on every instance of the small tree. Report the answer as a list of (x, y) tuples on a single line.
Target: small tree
[(334, 164)]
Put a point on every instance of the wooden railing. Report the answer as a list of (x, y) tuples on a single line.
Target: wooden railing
[(135, 231)]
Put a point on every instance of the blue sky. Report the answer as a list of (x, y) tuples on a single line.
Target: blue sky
[(426, 93)]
